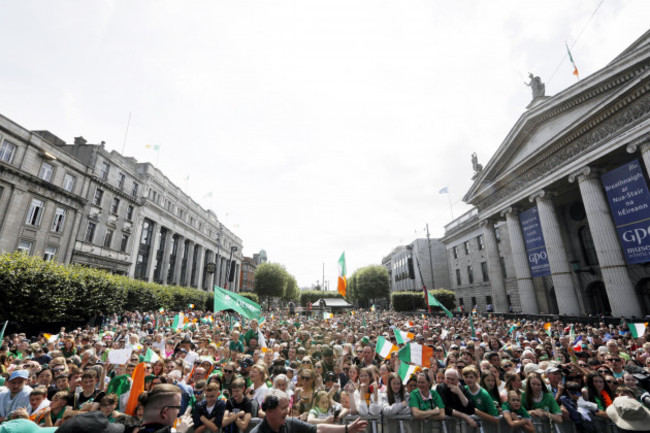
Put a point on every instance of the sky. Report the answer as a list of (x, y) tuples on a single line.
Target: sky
[(318, 126)]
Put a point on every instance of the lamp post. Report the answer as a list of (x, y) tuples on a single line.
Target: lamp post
[(229, 266)]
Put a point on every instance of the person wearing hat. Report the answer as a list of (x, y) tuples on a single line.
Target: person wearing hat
[(21, 424), (17, 394), (629, 415)]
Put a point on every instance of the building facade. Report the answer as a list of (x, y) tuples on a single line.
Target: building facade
[(428, 262), (80, 203), (569, 187)]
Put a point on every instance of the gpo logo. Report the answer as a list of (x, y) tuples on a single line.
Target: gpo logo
[(637, 235), (537, 257)]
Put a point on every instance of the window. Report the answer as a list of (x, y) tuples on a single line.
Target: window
[(97, 199), (103, 171), (503, 266), (120, 180), (470, 274), (124, 243), (108, 238), (59, 220), (35, 213), (115, 206), (587, 246), (90, 232), (7, 151), (484, 271), (481, 242), (134, 190), (129, 213), (68, 182), (458, 280), (25, 247), (455, 252), (46, 171), (488, 300), (466, 247), (50, 253)]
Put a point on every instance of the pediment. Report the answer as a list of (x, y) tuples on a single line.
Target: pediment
[(585, 114)]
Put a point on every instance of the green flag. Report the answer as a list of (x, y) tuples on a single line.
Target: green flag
[(2, 333), (433, 302), (226, 300), (471, 326), (150, 356)]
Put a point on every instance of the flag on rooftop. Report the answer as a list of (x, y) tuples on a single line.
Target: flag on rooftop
[(152, 146), (575, 68)]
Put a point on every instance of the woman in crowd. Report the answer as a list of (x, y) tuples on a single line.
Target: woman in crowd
[(538, 401), (395, 401), (597, 391)]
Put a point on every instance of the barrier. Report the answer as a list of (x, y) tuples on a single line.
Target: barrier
[(406, 424)]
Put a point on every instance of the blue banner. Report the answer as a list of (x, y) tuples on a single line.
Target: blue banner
[(534, 240), (629, 201)]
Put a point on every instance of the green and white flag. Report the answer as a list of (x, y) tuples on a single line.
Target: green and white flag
[(384, 348), (433, 302), (226, 300), (406, 371), (150, 356), (179, 321), (637, 329), (2, 333), (403, 337), (471, 326)]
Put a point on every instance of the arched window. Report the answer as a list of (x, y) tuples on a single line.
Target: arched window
[(587, 246)]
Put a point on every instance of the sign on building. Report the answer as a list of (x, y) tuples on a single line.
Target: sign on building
[(629, 201), (535, 246)]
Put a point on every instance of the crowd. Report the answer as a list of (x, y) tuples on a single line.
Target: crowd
[(160, 371)]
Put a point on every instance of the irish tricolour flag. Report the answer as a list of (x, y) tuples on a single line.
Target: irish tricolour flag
[(416, 354), (385, 348), (637, 329), (406, 371), (403, 337)]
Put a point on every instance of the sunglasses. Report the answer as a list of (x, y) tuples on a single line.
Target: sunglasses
[(228, 371), (610, 381), (574, 391), (306, 377), (507, 365)]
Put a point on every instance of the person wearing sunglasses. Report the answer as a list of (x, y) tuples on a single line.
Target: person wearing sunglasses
[(162, 406), (581, 412)]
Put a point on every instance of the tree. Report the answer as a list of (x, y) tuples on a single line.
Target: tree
[(292, 292), (371, 282), (270, 281)]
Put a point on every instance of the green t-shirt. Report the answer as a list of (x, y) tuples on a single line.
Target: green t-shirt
[(521, 411), (548, 403), (483, 401), (236, 346), (434, 401)]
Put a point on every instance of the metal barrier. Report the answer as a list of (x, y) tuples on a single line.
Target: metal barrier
[(406, 424)]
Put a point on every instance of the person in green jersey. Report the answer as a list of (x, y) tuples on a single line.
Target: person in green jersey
[(538, 401), (483, 405), (515, 415), (425, 402)]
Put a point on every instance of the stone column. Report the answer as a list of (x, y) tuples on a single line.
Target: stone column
[(525, 286), (188, 266), (199, 268), (499, 295), (620, 290), (151, 266), (209, 278), (180, 245), (565, 293), (169, 239), (644, 146)]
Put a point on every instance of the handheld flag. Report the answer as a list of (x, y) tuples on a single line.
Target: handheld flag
[(150, 356), (471, 326), (191, 306), (433, 302), (384, 348), (137, 388), (342, 282), (406, 371), (262, 340), (637, 329), (226, 300), (547, 328), (416, 354), (179, 321), (577, 345), (403, 337), (2, 333)]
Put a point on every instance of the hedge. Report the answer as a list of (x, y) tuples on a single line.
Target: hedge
[(252, 296), (312, 296), (38, 292), (407, 301)]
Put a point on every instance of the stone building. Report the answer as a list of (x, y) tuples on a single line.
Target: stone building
[(80, 203), (424, 261), (569, 187)]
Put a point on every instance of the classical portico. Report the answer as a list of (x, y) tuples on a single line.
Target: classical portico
[(552, 163)]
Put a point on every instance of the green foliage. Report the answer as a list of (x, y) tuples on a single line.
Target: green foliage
[(312, 296), (41, 292), (351, 292), (270, 280), (408, 301), (370, 282), (252, 296), (292, 292), (445, 297)]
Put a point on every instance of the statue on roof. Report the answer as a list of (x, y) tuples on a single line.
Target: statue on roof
[(536, 85), (478, 168)]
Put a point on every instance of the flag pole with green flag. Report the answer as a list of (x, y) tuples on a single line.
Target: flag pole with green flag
[(2, 333), (471, 326), (227, 300), (435, 303)]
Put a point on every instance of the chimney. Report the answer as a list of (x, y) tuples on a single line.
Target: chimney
[(80, 140)]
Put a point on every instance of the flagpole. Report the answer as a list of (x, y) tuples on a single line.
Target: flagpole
[(451, 209), (128, 122)]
